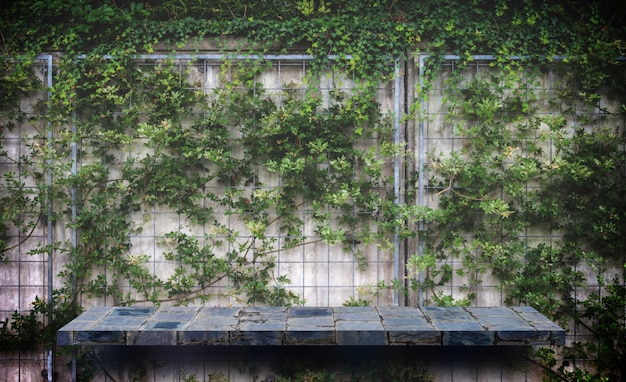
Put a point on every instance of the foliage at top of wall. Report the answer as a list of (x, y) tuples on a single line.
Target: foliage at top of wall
[(590, 33)]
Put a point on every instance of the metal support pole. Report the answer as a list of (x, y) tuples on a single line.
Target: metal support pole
[(49, 227), (396, 176), (420, 173)]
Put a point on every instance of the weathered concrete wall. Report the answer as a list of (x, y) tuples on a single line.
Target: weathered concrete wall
[(24, 276), (323, 275)]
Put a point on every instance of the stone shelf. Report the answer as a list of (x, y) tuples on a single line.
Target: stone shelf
[(347, 326)]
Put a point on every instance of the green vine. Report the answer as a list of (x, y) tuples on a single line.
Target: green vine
[(503, 182), (152, 141)]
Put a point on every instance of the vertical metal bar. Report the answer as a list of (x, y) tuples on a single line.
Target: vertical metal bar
[(420, 171), (396, 175), (50, 365), (74, 233), (50, 211), (279, 89), (74, 191)]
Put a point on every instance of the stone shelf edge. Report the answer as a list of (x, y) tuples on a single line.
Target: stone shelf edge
[(343, 326)]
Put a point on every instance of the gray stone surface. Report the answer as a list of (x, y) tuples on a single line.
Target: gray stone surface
[(344, 326)]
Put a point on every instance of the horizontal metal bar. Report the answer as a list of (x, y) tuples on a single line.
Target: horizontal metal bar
[(487, 57), (223, 56)]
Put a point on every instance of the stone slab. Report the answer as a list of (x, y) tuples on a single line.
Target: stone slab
[(338, 326)]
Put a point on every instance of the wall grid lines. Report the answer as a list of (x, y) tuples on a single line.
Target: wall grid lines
[(321, 275)]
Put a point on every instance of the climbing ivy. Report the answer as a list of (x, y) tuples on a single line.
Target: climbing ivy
[(521, 169), (298, 141), (111, 104), (20, 203)]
